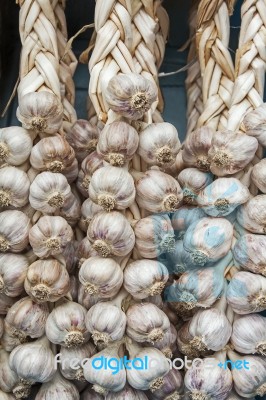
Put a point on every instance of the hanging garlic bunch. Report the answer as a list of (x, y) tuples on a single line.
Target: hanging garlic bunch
[(196, 148), (249, 253), (172, 388), (58, 388), (13, 270), (252, 215), (143, 278), (83, 137), (249, 334), (118, 143), (223, 196), (192, 182), (157, 191), (66, 325), (154, 236), (15, 145), (159, 144), (130, 95), (247, 293), (79, 354), (111, 234), (88, 210), (14, 231), (89, 165), (112, 188), (101, 277)]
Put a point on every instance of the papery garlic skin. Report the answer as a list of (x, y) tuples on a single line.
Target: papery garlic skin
[(158, 192), (71, 210), (252, 215), (175, 260), (41, 112), (258, 175), (14, 187), (111, 234), (131, 95), (66, 325), (250, 253), (154, 236), (101, 277), (112, 188), (58, 388), (222, 197), (127, 393), (8, 378), (88, 210), (184, 217), (50, 236), (247, 293), (249, 334), (84, 250), (230, 152), (13, 270), (47, 280), (14, 231), (79, 354), (196, 147), (254, 124), (6, 396), (143, 278), (172, 388), (15, 145), (5, 303), (89, 165), (159, 144), (83, 137), (192, 182), (117, 143), (90, 394)]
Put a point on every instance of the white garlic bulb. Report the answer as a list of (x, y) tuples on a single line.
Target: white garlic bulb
[(83, 137), (131, 95), (146, 323), (49, 192), (154, 236), (252, 215), (127, 393), (66, 325), (184, 217), (205, 384), (250, 253), (172, 388), (112, 188), (47, 280), (14, 231), (14, 187), (89, 165), (143, 278), (50, 236), (66, 357), (158, 192), (84, 250), (101, 277), (175, 260), (258, 175), (234, 396), (159, 144), (41, 112), (58, 388), (117, 143), (88, 210), (13, 270), (71, 210), (8, 378), (15, 145), (86, 299), (111, 234), (168, 344), (231, 152), (196, 147), (249, 334), (222, 197), (207, 240), (68, 257), (254, 124), (192, 182), (247, 293)]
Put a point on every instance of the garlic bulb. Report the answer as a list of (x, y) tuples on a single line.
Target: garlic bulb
[(66, 325), (158, 192), (151, 378), (83, 137), (14, 231), (71, 210), (90, 394), (50, 236), (234, 396), (247, 293), (13, 270), (231, 152), (252, 215), (86, 299), (249, 334), (145, 278), (252, 381), (117, 143), (111, 234), (14, 187), (84, 251), (131, 95), (58, 388), (88, 210), (41, 112), (222, 197), (196, 147), (258, 175), (15, 145), (172, 388), (8, 378), (112, 187), (250, 253), (5, 303), (106, 321), (89, 165), (207, 330), (207, 240), (184, 217), (205, 384), (192, 182), (6, 396), (127, 393), (101, 277), (167, 345), (154, 236), (69, 258), (47, 280), (254, 124), (159, 144), (66, 357), (175, 260)]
